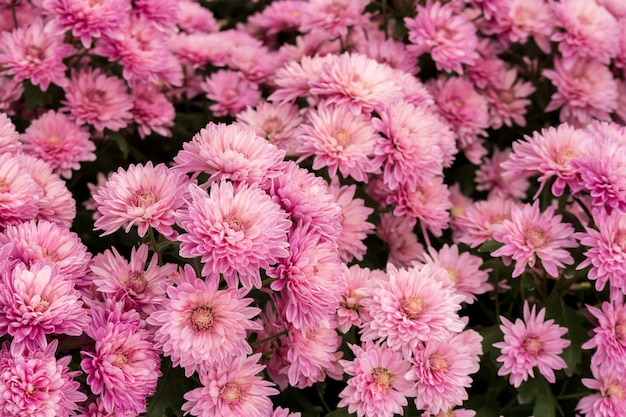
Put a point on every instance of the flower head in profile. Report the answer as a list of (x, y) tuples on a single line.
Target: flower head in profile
[(609, 337), (9, 138), (143, 196), (529, 343), (19, 194)]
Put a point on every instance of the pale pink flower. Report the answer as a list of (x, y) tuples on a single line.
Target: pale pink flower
[(152, 111), (491, 177), (28, 53), (9, 138), (333, 16), (389, 51), (284, 412), (54, 138), (236, 230), (138, 285), (231, 92), (475, 226), (97, 99), (87, 18), (412, 307), (589, 30), (36, 384), (528, 18), (609, 337), (38, 301), (378, 385), (397, 233), (585, 89), (199, 49), (201, 325), (192, 17), (294, 79), (444, 32), (143, 196), (532, 235), (507, 99), (19, 194), (442, 371), (350, 310), (610, 401), (232, 388), (255, 62), (529, 343), (340, 140)]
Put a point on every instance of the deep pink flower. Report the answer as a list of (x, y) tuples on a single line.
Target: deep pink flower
[(378, 385), (200, 325), (163, 14), (232, 388), (532, 235), (349, 310), (36, 384), (609, 337), (529, 343), (610, 401), (143, 196), (54, 138), (277, 16), (192, 17)]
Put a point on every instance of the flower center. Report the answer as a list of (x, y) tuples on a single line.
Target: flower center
[(144, 199), (231, 393), (343, 137), (620, 331), (136, 282), (202, 318), (413, 307), (438, 363), (49, 254), (3, 187), (615, 391), (95, 96), (235, 223), (533, 345), (381, 377), (120, 359), (454, 277), (536, 239)]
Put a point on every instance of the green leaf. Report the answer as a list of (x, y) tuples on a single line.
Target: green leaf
[(121, 142), (490, 246), (168, 399), (528, 391), (340, 412), (545, 403), (33, 96)]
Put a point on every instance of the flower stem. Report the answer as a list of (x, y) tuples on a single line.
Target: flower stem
[(268, 339)]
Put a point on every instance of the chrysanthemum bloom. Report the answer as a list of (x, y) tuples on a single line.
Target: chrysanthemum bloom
[(55, 201), (200, 324), (589, 30), (294, 79), (37, 302), (143, 196), (548, 153), (491, 177), (199, 49), (97, 99), (10, 92), (19, 194), (356, 80), (123, 367), (354, 224), (276, 122), (333, 16), (532, 235), (9, 138), (507, 99), (529, 343), (45, 242), (278, 16), (232, 388), (236, 231), (397, 233), (349, 310), (449, 36), (152, 111), (585, 89), (410, 152), (413, 306), (606, 253), (442, 371), (378, 386), (57, 140), (463, 269), (141, 287), (231, 92), (474, 227), (255, 62), (36, 384), (284, 412), (602, 172), (192, 17), (609, 337), (163, 14), (29, 53), (610, 401), (229, 152), (523, 19), (86, 18), (388, 51)]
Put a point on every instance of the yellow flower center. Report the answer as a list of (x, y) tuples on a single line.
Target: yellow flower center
[(202, 318)]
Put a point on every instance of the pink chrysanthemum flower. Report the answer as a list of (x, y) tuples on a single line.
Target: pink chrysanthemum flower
[(354, 224), (294, 79), (449, 36), (491, 177), (397, 233), (163, 14), (388, 51), (9, 138), (152, 111), (143, 196), (585, 89), (284, 412), (123, 367), (10, 92), (548, 153), (609, 337), (29, 53), (378, 386), (475, 226), (19, 194), (192, 17), (529, 343), (606, 253), (232, 388), (442, 371), (199, 49), (350, 309), (37, 302), (97, 99), (139, 286), (57, 140), (507, 99), (413, 306), (236, 230), (36, 384), (200, 324), (333, 16), (610, 401), (310, 279), (278, 16), (589, 30), (532, 235), (231, 92), (463, 269), (87, 18), (340, 140), (229, 152), (44, 242)]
